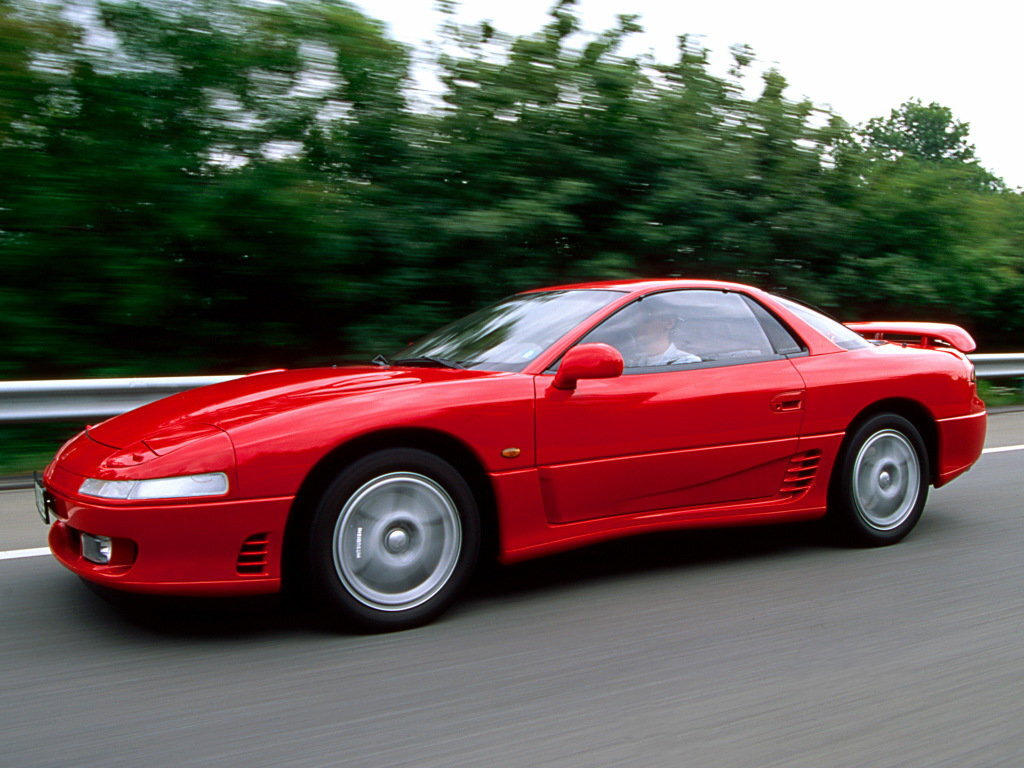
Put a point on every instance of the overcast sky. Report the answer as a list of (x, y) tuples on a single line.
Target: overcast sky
[(862, 59)]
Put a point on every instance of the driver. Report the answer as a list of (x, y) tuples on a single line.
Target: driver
[(654, 345)]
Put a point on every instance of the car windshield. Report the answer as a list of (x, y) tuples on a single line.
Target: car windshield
[(508, 335)]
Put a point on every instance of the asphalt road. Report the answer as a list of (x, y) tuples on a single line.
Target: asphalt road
[(756, 647)]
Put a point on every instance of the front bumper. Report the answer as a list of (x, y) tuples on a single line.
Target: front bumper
[(218, 548)]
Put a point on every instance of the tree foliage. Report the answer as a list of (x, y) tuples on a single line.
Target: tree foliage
[(223, 184), (922, 132)]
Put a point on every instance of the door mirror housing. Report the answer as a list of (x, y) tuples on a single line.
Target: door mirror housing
[(588, 361)]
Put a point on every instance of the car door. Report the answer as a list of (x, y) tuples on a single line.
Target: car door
[(707, 411)]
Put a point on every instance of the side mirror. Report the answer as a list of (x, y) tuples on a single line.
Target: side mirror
[(588, 361)]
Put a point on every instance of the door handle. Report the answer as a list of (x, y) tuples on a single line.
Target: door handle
[(787, 401)]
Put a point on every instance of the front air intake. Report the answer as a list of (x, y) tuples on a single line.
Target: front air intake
[(800, 474), (253, 556)]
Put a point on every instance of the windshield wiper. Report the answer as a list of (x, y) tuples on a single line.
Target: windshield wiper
[(381, 361), (428, 360)]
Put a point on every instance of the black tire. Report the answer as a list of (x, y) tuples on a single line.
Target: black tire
[(394, 539), (880, 484)]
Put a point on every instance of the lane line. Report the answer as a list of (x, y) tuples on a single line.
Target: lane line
[(17, 554)]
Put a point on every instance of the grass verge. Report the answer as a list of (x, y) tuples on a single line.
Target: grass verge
[(1001, 392), (25, 448)]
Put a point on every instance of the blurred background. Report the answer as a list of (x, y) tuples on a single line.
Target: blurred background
[(208, 186)]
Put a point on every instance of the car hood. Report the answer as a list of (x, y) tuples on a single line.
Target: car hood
[(230, 403)]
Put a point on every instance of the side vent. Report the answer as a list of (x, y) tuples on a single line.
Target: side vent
[(252, 557), (800, 474)]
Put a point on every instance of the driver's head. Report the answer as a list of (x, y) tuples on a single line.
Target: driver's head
[(655, 322)]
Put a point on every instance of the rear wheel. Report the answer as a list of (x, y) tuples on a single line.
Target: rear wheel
[(394, 539), (882, 482)]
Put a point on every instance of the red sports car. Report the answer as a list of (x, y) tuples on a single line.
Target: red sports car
[(555, 418)]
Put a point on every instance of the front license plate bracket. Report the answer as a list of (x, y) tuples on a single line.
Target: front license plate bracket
[(44, 501)]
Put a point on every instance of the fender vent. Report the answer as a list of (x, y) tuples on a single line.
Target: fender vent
[(252, 557), (800, 473)]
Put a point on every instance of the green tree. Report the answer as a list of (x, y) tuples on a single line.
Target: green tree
[(929, 231), (184, 171), (226, 184), (925, 132)]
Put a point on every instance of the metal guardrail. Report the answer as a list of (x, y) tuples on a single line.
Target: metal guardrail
[(82, 399), (998, 366)]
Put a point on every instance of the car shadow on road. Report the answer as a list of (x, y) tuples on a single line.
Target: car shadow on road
[(195, 617), (214, 619), (646, 554)]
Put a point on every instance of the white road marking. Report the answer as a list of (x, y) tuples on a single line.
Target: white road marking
[(17, 554)]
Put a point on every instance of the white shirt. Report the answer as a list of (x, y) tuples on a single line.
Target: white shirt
[(672, 355)]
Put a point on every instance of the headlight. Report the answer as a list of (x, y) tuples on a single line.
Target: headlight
[(209, 484)]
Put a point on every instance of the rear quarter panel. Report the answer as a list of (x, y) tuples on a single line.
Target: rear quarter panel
[(844, 385)]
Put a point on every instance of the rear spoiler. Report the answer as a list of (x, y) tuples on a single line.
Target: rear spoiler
[(917, 334)]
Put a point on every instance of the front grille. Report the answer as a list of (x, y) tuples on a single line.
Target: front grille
[(253, 556), (800, 474)]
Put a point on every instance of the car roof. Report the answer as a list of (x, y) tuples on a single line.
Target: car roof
[(646, 285)]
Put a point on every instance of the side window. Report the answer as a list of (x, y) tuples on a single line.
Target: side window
[(782, 339), (686, 329)]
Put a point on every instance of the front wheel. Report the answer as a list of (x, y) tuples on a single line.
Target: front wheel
[(882, 482), (394, 539)]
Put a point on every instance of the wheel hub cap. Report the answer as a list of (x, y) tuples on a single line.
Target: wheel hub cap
[(397, 541), (886, 479)]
